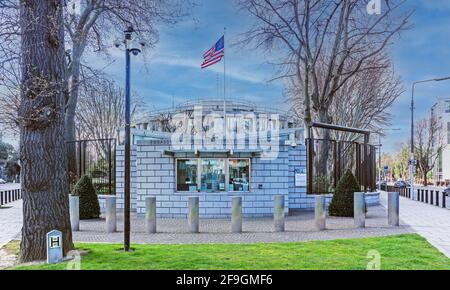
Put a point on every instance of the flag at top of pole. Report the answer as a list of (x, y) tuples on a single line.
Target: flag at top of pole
[(214, 54)]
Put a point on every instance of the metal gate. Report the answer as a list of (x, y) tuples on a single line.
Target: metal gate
[(97, 159), (340, 156), (328, 160)]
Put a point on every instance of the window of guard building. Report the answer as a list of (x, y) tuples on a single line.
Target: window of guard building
[(213, 175), (187, 175), (239, 174)]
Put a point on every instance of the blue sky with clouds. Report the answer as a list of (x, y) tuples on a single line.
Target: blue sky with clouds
[(173, 66), (172, 69)]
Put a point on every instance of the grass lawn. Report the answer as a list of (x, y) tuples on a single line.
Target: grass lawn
[(397, 252)]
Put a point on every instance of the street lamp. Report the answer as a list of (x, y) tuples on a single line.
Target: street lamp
[(130, 48), (412, 165)]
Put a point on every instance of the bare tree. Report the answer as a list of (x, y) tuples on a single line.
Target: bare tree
[(323, 45), (10, 73), (428, 145), (41, 119), (101, 107), (91, 24), (165, 122), (362, 102)]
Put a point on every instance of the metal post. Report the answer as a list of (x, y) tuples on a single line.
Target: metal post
[(193, 215), (127, 199), (236, 215), (111, 216), (150, 215), (110, 167), (74, 205), (278, 213), (320, 213), (360, 210), (411, 165), (393, 209)]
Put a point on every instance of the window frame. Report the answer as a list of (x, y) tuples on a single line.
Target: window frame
[(226, 172), (176, 174), (249, 174)]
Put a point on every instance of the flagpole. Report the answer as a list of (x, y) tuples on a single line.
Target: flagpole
[(224, 80)]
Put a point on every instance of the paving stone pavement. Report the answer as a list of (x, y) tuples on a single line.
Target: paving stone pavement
[(298, 228), (10, 222), (429, 221)]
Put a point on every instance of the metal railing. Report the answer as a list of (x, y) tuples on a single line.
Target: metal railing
[(328, 160), (429, 195), (97, 159), (8, 196)]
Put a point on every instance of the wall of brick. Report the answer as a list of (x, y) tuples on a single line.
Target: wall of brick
[(120, 174), (298, 198), (156, 177), (153, 174)]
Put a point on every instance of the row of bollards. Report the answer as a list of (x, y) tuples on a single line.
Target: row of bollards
[(359, 210), (111, 214), (194, 214), (236, 213)]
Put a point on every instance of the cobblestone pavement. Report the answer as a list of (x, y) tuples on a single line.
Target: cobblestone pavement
[(10, 222), (298, 228), (429, 221)]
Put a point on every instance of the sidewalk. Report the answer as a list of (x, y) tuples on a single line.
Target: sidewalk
[(10, 222), (429, 221)]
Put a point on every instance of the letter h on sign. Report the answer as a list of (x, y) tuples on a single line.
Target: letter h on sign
[(55, 242), (54, 247)]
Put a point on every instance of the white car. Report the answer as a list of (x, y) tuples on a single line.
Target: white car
[(2, 181)]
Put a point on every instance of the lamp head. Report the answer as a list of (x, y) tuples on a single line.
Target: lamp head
[(135, 51)]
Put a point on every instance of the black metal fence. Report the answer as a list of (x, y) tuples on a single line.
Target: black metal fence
[(8, 196), (97, 159), (432, 196), (403, 191), (328, 160)]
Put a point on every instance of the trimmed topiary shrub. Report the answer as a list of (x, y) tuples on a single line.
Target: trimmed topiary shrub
[(342, 204), (89, 206)]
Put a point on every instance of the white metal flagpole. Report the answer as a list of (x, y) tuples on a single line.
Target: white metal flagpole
[(224, 80)]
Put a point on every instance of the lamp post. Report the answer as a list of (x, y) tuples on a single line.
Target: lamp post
[(129, 49), (412, 162)]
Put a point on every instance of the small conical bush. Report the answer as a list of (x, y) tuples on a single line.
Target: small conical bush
[(89, 205), (342, 204)]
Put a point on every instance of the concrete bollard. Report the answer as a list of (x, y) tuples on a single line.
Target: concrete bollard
[(236, 215), (111, 218), (394, 209), (320, 213), (360, 210), (193, 218), (150, 215), (278, 213), (74, 208)]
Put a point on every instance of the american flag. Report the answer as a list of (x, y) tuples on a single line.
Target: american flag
[(214, 54)]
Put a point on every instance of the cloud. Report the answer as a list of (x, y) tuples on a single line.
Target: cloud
[(239, 74)]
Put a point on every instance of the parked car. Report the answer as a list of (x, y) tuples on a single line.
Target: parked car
[(2, 181), (400, 184)]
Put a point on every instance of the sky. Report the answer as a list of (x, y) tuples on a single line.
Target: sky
[(170, 72)]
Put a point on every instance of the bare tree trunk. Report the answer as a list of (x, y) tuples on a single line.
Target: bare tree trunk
[(41, 115), (71, 106), (324, 149)]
